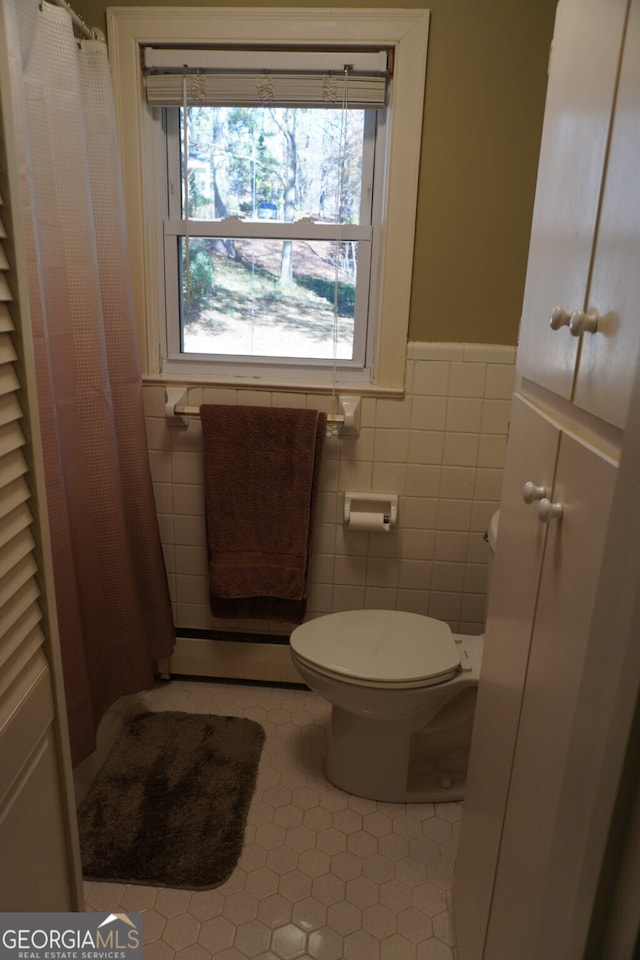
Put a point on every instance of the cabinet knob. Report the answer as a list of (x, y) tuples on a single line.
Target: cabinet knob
[(581, 322), (559, 318), (532, 492), (549, 511)]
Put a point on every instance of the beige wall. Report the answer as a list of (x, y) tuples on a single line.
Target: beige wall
[(486, 82)]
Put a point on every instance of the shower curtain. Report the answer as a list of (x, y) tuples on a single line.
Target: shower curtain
[(112, 601)]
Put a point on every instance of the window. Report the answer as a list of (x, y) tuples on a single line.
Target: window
[(265, 237)]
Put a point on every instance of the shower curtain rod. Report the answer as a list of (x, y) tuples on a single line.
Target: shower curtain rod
[(89, 33)]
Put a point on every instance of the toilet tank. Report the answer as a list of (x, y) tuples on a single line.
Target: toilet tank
[(491, 536)]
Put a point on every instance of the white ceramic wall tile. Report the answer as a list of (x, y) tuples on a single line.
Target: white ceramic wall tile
[(419, 350), (447, 576), (454, 515), (428, 413), (187, 467), (350, 570), (440, 449), (430, 378), (394, 414), (354, 475), (163, 498), (500, 381), (348, 598), (295, 401), (457, 483), (358, 448), (160, 462), (188, 500), (385, 544), (479, 550), (388, 477), (220, 395), (382, 572), (154, 400), (380, 598), (417, 544), (414, 574), (481, 513), (191, 560), (475, 579), (467, 379), (495, 416), (187, 438), (156, 433), (419, 512), (422, 480), (492, 450), (451, 545), (391, 445), (445, 606), (426, 446), (464, 415), (489, 353), (254, 398)]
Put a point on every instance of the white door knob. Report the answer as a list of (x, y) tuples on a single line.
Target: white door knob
[(532, 492), (559, 318), (549, 511), (581, 322)]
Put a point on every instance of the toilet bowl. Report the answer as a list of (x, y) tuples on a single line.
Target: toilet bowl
[(402, 689)]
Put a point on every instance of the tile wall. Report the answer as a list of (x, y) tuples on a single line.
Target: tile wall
[(440, 448)]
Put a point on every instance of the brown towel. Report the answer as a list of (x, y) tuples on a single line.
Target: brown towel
[(261, 468)]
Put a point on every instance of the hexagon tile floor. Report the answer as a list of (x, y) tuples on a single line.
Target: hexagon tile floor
[(323, 875)]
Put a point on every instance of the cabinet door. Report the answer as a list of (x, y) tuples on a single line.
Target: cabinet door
[(582, 81), (608, 357), (584, 484), (531, 456)]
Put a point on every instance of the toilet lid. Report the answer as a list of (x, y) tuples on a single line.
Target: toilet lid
[(383, 646)]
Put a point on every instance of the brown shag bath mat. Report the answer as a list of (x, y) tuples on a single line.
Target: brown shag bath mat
[(169, 806)]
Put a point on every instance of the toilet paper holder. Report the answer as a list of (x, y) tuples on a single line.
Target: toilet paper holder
[(370, 511)]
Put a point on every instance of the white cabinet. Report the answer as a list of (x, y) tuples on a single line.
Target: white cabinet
[(543, 587), (584, 486), (560, 647), (531, 457), (609, 356), (588, 157)]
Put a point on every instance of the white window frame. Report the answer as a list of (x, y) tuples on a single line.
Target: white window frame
[(140, 136)]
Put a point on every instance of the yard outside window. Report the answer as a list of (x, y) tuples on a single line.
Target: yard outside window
[(279, 204)]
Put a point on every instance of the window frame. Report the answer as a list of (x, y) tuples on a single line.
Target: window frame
[(140, 137)]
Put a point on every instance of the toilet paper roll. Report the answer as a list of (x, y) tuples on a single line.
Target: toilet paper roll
[(368, 521)]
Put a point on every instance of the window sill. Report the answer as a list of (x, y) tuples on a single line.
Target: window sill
[(361, 389)]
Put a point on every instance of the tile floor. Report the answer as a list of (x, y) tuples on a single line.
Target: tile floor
[(323, 875)]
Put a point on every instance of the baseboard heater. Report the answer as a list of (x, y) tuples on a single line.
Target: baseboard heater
[(220, 654)]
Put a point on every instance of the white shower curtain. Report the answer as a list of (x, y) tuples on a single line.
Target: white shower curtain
[(111, 592)]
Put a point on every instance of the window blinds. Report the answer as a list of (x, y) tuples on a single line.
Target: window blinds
[(258, 78)]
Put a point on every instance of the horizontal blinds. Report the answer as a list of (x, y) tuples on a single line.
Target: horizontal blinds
[(224, 78)]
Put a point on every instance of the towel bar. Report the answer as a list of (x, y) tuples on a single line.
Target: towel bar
[(177, 412)]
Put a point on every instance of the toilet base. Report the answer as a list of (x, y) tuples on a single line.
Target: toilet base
[(392, 763)]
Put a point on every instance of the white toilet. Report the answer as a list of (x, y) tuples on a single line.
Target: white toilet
[(403, 690)]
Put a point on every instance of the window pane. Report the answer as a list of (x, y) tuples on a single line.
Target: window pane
[(274, 163), (269, 298)]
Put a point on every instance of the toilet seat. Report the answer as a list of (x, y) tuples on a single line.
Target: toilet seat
[(381, 647)]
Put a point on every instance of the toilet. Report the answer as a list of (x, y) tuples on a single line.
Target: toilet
[(402, 689)]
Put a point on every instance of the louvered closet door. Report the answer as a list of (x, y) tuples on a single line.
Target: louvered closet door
[(38, 847)]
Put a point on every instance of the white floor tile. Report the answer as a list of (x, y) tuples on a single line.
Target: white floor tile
[(323, 875)]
